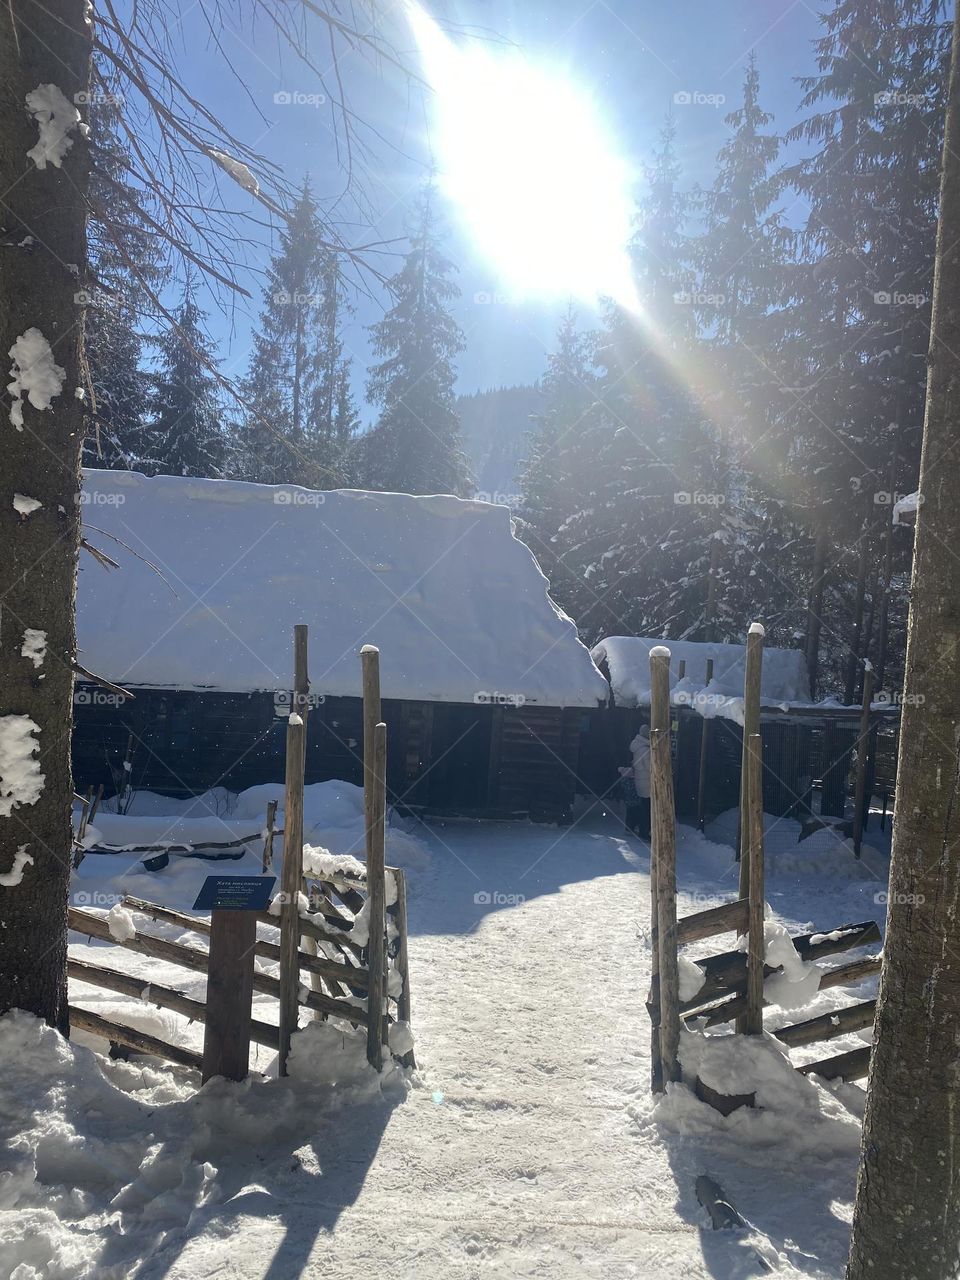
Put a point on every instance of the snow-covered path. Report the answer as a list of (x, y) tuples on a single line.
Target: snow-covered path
[(530, 1147)]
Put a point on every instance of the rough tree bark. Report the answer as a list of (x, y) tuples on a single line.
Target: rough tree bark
[(42, 230), (907, 1216)]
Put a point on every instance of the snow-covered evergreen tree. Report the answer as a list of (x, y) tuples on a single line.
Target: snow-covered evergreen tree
[(123, 261), (185, 427), (416, 445), (300, 413), (547, 480)]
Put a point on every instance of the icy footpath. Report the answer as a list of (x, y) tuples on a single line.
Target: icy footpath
[(526, 1146)]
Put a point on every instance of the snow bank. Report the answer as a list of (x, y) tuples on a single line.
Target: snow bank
[(784, 679), (104, 1160), (456, 604)]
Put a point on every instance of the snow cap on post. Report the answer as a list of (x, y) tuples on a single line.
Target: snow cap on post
[(757, 629), (369, 648), (659, 651)]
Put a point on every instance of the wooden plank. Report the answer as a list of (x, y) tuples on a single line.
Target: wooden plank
[(726, 974), (376, 900), (860, 799), (829, 1025), (128, 984), (291, 878), (854, 1065), (846, 974), (729, 917), (752, 678), (664, 827), (138, 1041), (194, 958), (751, 1022), (269, 833), (226, 1038), (659, 720), (403, 959), (722, 1213)]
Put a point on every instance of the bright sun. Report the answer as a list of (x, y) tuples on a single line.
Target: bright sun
[(524, 155)]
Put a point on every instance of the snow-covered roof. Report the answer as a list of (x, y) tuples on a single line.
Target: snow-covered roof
[(456, 604), (784, 678)]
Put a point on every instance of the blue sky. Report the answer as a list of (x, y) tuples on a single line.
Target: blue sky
[(631, 58)]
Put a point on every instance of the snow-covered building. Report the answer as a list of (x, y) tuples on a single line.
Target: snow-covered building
[(485, 683)]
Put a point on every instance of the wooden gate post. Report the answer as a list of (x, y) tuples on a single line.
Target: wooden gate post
[(403, 959), (705, 722), (753, 672), (226, 1034), (376, 899), (860, 798), (659, 720), (664, 843), (752, 1021), (292, 877)]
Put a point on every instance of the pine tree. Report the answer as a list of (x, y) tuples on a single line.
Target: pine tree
[(853, 370), (741, 258), (637, 538), (416, 445), (300, 413), (123, 262), (569, 394), (185, 433)]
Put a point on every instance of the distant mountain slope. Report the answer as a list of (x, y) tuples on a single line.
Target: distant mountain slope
[(495, 426)]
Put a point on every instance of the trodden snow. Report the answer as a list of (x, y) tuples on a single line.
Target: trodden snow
[(526, 1143)]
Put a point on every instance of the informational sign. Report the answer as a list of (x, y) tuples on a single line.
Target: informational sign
[(235, 893)]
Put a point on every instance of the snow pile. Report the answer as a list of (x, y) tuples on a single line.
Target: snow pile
[(120, 921), (792, 1111), (34, 374), (784, 679), (56, 118), (457, 605), (110, 1161), (21, 781), (692, 977), (905, 508), (798, 983)]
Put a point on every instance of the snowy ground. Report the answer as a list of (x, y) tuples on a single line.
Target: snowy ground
[(526, 1144)]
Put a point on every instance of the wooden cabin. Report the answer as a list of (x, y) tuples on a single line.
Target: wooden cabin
[(486, 688)]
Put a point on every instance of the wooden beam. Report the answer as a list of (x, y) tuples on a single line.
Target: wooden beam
[(854, 1065), (292, 874), (194, 958), (705, 723), (729, 917), (752, 678), (829, 1025), (138, 1041), (860, 799), (659, 720), (403, 961), (127, 984), (846, 974)]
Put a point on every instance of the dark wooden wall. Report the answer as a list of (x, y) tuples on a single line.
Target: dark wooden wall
[(453, 758)]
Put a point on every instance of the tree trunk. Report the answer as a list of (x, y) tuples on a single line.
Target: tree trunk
[(43, 232), (907, 1216)]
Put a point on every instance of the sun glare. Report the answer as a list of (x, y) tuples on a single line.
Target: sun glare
[(524, 155)]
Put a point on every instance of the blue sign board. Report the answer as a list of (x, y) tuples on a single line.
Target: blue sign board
[(235, 893)]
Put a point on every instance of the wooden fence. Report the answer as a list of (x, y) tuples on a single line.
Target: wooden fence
[(732, 987), (342, 946)]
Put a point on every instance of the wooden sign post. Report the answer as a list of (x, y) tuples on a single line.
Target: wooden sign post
[(234, 902)]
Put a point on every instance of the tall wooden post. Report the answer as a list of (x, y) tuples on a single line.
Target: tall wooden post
[(752, 677), (292, 876), (376, 784), (659, 721), (860, 798), (752, 1021), (403, 959), (705, 722), (665, 854)]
